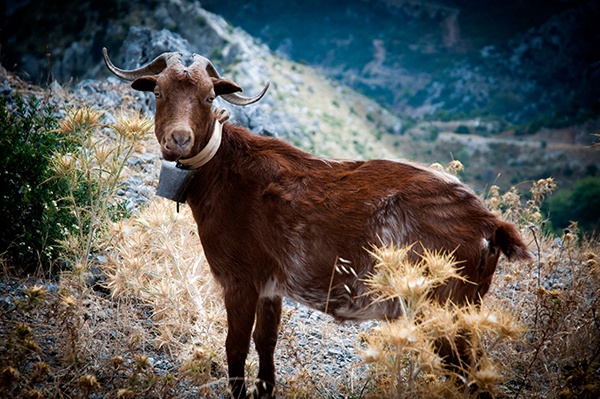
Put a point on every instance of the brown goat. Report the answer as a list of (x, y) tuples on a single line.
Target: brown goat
[(274, 220)]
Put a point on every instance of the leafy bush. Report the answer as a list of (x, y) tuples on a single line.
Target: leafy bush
[(582, 204), (58, 182), (31, 221)]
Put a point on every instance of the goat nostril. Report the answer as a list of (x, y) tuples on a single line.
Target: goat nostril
[(181, 139)]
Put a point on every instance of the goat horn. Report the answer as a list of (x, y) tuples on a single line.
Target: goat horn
[(155, 67), (232, 98)]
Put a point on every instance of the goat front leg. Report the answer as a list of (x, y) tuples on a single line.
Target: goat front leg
[(240, 304), (268, 317)]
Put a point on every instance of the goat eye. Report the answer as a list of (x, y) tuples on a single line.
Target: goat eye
[(210, 100), (157, 94)]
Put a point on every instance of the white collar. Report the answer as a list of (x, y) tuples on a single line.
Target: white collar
[(207, 152)]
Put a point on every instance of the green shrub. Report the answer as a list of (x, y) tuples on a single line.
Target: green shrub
[(582, 204), (31, 221), (462, 129), (59, 182)]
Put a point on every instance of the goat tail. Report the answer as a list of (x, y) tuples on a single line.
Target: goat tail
[(509, 241)]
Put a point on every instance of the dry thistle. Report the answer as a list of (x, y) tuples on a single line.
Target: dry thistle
[(487, 377), (80, 119), (482, 320), (440, 265), (401, 333), (142, 361), (541, 188), (392, 269), (397, 276), (429, 360), (117, 361), (439, 321), (68, 301), (125, 393), (33, 394), (63, 164), (102, 152), (39, 370), (35, 294), (454, 167), (23, 330), (372, 353), (133, 126), (437, 166), (88, 383), (31, 345), (8, 376)]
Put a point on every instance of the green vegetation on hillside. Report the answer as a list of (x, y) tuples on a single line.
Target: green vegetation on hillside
[(32, 222), (581, 204), (58, 182)]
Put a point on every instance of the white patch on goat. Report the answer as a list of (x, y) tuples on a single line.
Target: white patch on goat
[(271, 289), (485, 244)]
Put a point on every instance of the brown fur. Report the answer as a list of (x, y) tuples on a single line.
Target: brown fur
[(274, 221)]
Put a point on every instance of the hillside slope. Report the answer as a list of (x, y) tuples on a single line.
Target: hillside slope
[(307, 105)]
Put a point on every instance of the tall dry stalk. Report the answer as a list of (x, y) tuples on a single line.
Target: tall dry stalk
[(91, 174)]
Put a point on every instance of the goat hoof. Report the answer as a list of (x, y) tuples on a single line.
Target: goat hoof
[(261, 390)]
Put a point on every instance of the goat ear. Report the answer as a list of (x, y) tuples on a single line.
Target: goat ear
[(224, 86), (145, 83)]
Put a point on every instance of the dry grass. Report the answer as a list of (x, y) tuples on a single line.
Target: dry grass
[(157, 258)]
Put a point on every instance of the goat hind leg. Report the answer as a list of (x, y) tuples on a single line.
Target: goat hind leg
[(241, 307), (268, 317)]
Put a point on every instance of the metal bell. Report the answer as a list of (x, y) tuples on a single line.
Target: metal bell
[(174, 181)]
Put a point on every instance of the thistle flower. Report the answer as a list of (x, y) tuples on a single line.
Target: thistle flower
[(142, 361), (455, 166), (484, 320), (401, 333), (63, 163), (88, 383), (393, 274), (35, 294), (80, 119), (132, 126), (439, 321), (372, 354), (440, 265), (9, 375), (101, 153), (541, 188), (68, 301), (487, 377), (118, 361)]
